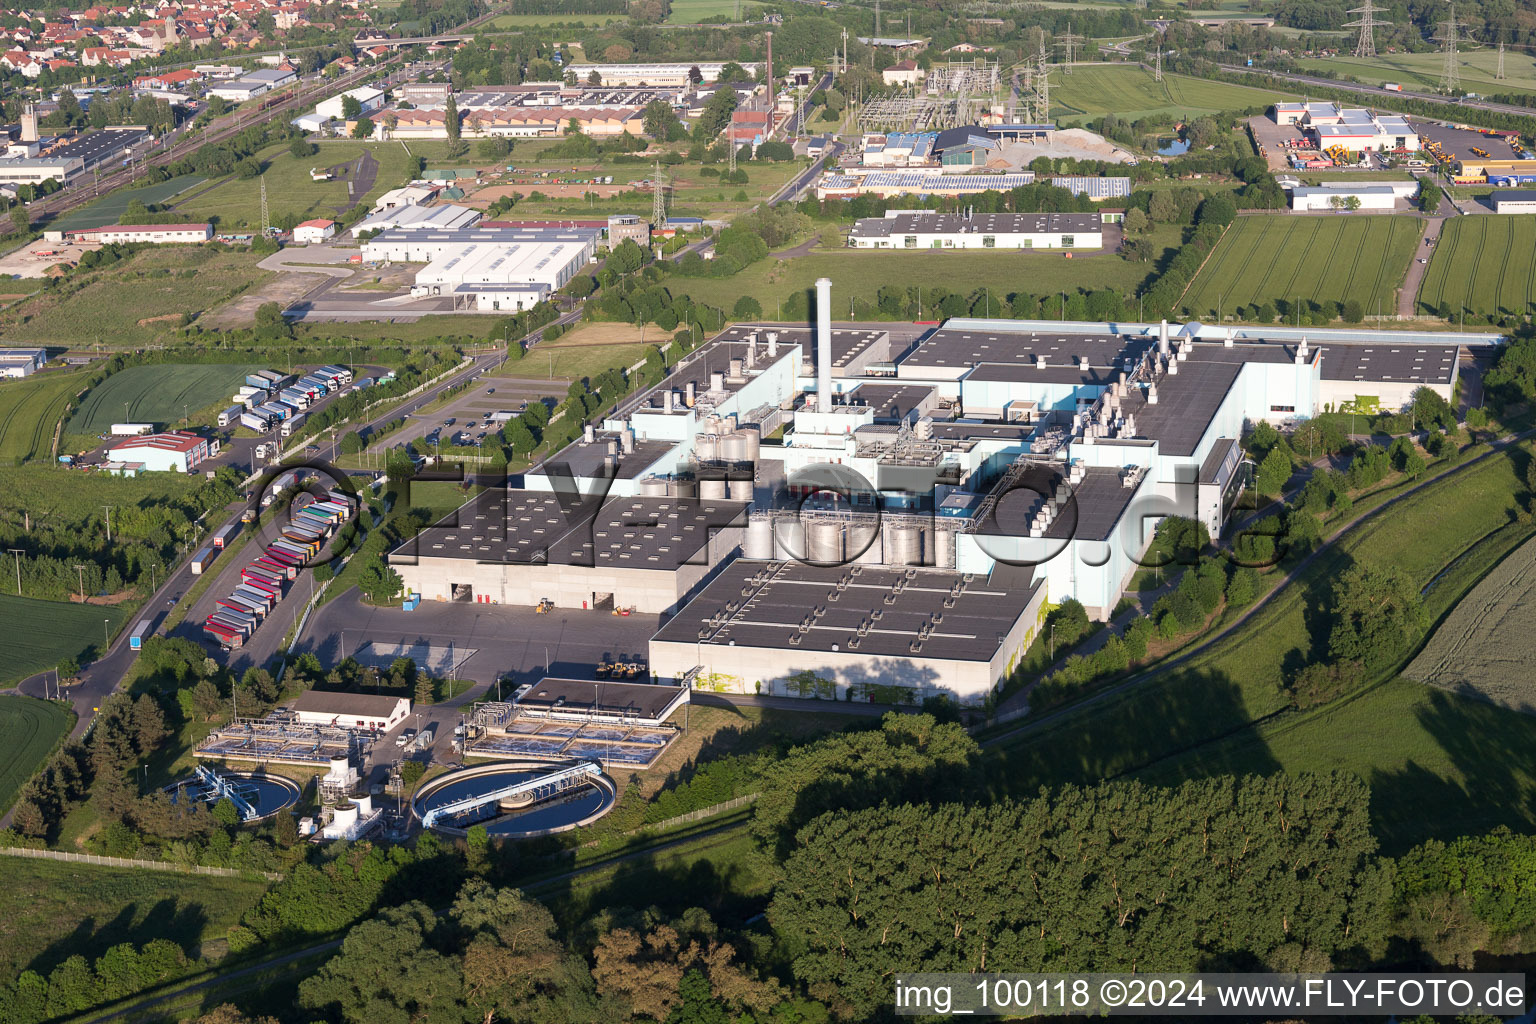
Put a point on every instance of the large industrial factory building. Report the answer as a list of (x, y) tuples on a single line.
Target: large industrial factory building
[(921, 504)]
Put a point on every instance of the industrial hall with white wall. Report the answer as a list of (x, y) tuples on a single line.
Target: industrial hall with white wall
[(834, 509)]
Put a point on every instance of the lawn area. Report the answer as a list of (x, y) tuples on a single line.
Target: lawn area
[(28, 730), (50, 911), (472, 329), (1482, 264), (1421, 71), (1278, 257), (38, 634), (1132, 93), (109, 209), (29, 411), (688, 12), (160, 394), (860, 273), (1225, 709), (587, 351), (236, 202), (135, 303)]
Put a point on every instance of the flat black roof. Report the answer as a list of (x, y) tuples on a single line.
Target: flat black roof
[(967, 347), (763, 604), (528, 527), (586, 460), (1186, 404), (103, 144), (1094, 505), (1513, 195), (891, 402), (1218, 454), (640, 700), (1421, 364), (848, 344)]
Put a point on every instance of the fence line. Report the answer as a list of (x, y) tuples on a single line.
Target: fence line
[(691, 816), (127, 862)]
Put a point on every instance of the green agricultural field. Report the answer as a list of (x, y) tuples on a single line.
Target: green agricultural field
[(860, 273), (1276, 257), (50, 910), (39, 634), (1484, 265), (370, 167), (110, 208), (132, 304), (1439, 765), (1130, 92), (1479, 650), (29, 411), (1421, 71), (28, 730), (160, 394)]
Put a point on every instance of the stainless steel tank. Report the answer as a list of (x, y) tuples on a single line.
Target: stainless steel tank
[(739, 489), (712, 487), (864, 544)]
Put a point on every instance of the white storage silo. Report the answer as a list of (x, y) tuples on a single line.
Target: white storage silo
[(712, 487), (903, 545), (944, 548), (739, 489), (759, 539), (864, 544), (824, 543), (789, 540)]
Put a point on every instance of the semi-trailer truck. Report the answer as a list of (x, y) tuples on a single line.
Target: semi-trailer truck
[(201, 561), (141, 632), (230, 415), (224, 534)]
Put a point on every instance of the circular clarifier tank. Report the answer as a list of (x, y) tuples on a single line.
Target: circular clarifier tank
[(266, 794), (489, 795)]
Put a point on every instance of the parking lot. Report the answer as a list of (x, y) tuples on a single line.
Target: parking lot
[(470, 410)]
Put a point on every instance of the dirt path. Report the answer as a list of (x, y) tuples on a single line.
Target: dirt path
[(364, 173), (1408, 294)]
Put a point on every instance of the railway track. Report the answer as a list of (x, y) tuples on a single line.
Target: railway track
[(72, 198)]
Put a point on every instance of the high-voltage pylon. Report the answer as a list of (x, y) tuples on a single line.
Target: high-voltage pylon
[(659, 200), (1069, 43), (1157, 67), (1498, 72), (1367, 24), (1450, 75), (266, 221)]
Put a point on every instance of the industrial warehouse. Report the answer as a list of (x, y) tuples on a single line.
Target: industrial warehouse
[(489, 269), (922, 505), (927, 229)]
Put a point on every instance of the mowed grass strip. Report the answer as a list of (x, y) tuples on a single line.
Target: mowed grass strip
[(29, 411), (1482, 265), (28, 730), (39, 634), (1318, 258), (1131, 92), (161, 393), (1226, 710)]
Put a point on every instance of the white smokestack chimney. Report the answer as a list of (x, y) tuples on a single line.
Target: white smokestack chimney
[(1162, 337), (824, 344)]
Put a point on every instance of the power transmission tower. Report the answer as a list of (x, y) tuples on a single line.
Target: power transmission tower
[(1043, 90), (730, 145), (1450, 77), (1367, 23), (659, 200), (1069, 43), (266, 222), (1499, 71), (1157, 73)]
